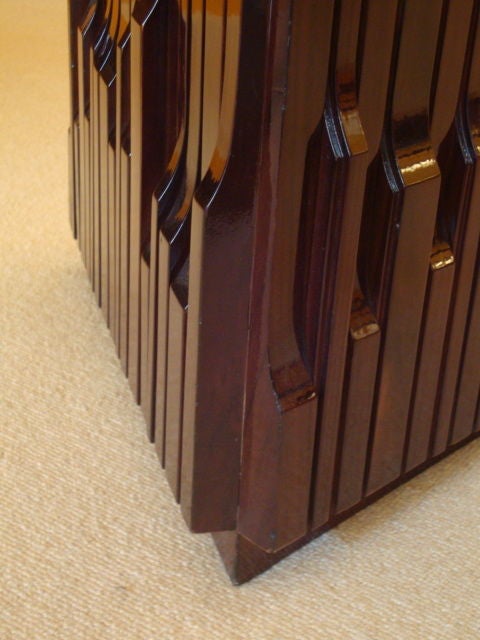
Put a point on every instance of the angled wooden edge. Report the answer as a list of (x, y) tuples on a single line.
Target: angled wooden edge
[(244, 560)]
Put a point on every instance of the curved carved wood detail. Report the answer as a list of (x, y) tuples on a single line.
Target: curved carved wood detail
[(220, 259)]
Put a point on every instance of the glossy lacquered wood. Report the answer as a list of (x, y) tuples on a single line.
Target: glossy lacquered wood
[(277, 203), (77, 11)]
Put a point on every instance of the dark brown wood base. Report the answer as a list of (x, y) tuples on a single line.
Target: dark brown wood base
[(244, 560), (279, 212)]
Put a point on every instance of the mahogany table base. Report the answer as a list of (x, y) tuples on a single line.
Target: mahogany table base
[(279, 212)]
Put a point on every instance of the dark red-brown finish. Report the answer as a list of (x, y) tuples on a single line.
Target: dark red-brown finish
[(464, 228), (122, 177), (221, 253), (280, 408), (278, 205), (172, 203), (76, 15)]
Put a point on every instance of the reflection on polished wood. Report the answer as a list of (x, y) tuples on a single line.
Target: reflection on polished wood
[(279, 214)]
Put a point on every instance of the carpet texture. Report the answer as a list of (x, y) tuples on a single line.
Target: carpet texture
[(91, 543)]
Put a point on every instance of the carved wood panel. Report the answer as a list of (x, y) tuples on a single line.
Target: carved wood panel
[(279, 212)]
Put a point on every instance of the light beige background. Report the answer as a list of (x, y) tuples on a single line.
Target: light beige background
[(91, 544)]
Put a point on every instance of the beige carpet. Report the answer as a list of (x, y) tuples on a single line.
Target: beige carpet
[(91, 544)]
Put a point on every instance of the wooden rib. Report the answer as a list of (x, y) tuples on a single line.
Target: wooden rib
[(72, 180), (466, 234), (124, 212), (123, 18), (169, 132), (177, 327), (99, 135), (212, 78), (291, 378), (463, 422), (93, 185), (76, 16), (442, 268), (105, 96), (122, 176), (76, 169), (220, 263), (135, 205), (177, 234), (452, 360), (166, 195), (85, 34), (429, 366), (112, 239), (279, 432), (353, 344), (172, 202), (107, 132), (147, 48), (111, 173), (159, 301), (416, 171), (362, 359)]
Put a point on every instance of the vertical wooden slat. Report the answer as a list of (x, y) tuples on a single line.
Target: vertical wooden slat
[(362, 360), (166, 142), (147, 48), (292, 380), (122, 175), (170, 183), (463, 421), (110, 79), (171, 206), (112, 238), (415, 198), (76, 12), (177, 324), (439, 288), (106, 85), (136, 165), (353, 340), (220, 263), (106, 141), (280, 417), (350, 156), (85, 34), (98, 176), (93, 184), (213, 58), (72, 181), (451, 61), (465, 238)]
